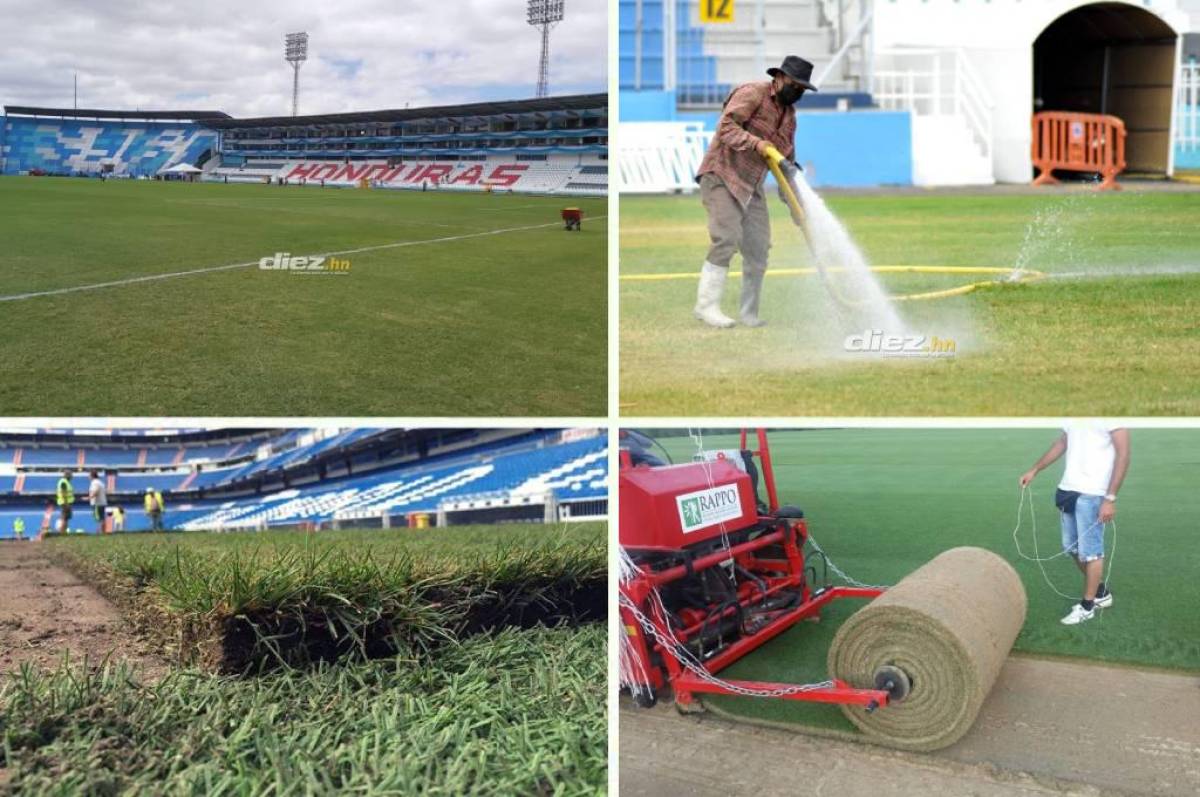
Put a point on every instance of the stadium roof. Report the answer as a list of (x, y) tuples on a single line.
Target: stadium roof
[(93, 113), (574, 102)]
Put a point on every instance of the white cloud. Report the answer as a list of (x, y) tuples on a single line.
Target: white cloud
[(228, 55)]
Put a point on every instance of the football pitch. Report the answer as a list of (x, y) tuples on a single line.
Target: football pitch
[(1108, 328), (132, 298), (882, 502)]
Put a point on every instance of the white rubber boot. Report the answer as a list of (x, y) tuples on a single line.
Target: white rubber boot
[(708, 296), (752, 282)]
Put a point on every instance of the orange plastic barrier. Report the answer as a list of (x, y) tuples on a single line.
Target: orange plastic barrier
[(1081, 142)]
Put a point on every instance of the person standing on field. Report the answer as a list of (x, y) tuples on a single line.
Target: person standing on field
[(757, 118), (1097, 461), (64, 496), (98, 498), (19, 527), (154, 508), (118, 519)]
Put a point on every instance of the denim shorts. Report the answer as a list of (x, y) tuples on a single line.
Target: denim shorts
[(1082, 531)]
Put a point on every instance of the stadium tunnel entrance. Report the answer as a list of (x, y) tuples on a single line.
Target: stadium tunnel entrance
[(1112, 58)]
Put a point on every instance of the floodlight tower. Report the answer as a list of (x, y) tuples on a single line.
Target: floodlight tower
[(544, 14), (295, 52)]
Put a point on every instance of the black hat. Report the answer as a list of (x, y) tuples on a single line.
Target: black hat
[(797, 69)]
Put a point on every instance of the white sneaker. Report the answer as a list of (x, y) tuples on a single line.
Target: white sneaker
[(1078, 615), (1104, 602), (708, 297)]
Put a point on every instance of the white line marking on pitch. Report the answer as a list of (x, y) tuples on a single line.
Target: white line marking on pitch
[(16, 297)]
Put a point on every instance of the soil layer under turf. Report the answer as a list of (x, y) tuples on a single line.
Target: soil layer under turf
[(458, 321), (1114, 339), (227, 603)]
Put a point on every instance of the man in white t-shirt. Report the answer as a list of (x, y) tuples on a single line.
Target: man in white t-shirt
[(1097, 460), (98, 498)]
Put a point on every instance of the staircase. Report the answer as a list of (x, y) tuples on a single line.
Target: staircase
[(945, 153), (715, 58), (952, 138)]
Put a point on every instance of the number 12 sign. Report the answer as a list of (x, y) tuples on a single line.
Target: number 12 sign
[(712, 11)]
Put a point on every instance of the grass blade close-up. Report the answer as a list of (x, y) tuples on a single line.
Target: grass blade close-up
[(391, 661)]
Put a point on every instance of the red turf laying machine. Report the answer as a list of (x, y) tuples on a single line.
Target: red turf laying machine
[(711, 572)]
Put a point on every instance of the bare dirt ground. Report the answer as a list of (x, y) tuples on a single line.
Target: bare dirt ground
[(45, 612), (1048, 727)]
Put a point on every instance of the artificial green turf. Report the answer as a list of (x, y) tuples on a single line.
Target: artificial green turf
[(882, 502), (1121, 344), (231, 602), (521, 712), (506, 324)]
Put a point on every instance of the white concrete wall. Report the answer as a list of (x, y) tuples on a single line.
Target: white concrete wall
[(997, 37)]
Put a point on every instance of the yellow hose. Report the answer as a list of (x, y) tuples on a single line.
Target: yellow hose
[(1019, 276)]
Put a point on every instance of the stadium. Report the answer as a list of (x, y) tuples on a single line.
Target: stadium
[(231, 479), (552, 145), (454, 579), (931, 121), (448, 248)]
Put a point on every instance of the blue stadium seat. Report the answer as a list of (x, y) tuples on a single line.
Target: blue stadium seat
[(75, 146)]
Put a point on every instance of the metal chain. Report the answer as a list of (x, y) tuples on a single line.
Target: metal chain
[(689, 662)]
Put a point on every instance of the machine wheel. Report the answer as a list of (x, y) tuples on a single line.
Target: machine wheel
[(790, 512), (646, 698), (894, 681), (695, 707)]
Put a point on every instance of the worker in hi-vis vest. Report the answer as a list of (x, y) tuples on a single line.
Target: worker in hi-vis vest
[(19, 528), (154, 508), (64, 496)]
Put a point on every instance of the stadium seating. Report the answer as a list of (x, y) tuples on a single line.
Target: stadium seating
[(531, 463), (573, 470), (75, 146)]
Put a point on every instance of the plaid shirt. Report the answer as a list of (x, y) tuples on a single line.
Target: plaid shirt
[(750, 115)]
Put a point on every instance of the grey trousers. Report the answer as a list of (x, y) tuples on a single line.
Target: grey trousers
[(734, 229)]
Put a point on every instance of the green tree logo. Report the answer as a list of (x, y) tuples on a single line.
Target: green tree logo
[(691, 512)]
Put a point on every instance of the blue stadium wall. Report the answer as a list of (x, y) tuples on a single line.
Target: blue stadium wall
[(66, 146), (854, 148)]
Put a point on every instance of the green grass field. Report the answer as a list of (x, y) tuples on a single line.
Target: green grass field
[(512, 323), (1115, 342), (882, 502), (475, 665)]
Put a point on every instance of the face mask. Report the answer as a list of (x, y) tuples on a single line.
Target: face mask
[(789, 93)]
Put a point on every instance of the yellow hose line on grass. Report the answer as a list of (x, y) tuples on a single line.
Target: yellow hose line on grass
[(1022, 276)]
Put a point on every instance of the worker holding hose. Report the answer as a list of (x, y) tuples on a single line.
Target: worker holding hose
[(1097, 460), (758, 122)]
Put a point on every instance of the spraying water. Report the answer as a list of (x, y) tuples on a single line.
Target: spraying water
[(860, 298)]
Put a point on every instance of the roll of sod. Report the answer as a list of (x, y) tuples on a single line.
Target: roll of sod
[(948, 627)]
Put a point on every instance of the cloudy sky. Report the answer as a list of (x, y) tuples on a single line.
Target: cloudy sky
[(227, 55)]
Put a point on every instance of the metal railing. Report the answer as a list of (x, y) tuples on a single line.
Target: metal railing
[(658, 157), (1187, 127), (933, 82)]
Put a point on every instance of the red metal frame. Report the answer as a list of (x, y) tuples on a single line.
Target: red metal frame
[(778, 574)]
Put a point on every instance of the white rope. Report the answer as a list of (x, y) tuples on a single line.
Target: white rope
[(676, 649), (1039, 559)]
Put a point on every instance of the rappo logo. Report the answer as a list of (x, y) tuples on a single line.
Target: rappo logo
[(706, 507)]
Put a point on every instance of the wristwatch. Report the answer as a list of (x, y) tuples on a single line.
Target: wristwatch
[(1110, 497)]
